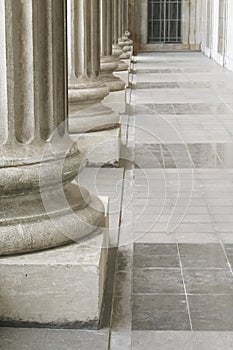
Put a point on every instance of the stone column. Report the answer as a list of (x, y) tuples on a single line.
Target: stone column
[(87, 113), (117, 50), (108, 63), (126, 33), (123, 40), (40, 206)]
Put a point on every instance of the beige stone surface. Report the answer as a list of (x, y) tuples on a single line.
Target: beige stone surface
[(57, 287), (124, 75), (40, 206), (102, 147)]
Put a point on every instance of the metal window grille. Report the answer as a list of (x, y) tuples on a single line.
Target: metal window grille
[(164, 21)]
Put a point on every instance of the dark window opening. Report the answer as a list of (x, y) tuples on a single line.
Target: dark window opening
[(164, 21)]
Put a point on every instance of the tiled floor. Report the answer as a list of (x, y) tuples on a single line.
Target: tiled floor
[(182, 287), (177, 250), (174, 277)]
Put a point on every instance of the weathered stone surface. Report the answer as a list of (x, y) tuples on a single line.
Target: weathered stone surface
[(117, 50), (57, 287), (40, 207), (117, 101), (86, 90), (123, 41), (108, 63), (124, 75), (101, 148)]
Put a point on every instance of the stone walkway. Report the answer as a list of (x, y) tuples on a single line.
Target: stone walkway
[(174, 280)]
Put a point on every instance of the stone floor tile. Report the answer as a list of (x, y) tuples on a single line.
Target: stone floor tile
[(213, 340), (160, 312), (75, 339), (202, 256), (155, 249), (211, 312), (156, 238), (208, 281), (22, 338), (121, 341), (226, 238), (196, 238), (151, 340), (156, 255), (167, 281)]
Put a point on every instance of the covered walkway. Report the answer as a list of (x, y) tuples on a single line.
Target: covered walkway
[(179, 268), (173, 285)]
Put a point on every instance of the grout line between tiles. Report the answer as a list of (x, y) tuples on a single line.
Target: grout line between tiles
[(186, 295)]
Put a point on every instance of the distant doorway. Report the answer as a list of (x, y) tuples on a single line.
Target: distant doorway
[(164, 21)]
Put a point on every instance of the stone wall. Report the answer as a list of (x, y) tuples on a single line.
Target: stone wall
[(191, 26)]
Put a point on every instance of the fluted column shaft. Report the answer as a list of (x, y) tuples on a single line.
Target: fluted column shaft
[(123, 39), (86, 89), (83, 43), (33, 101), (120, 19), (33, 109), (126, 32), (106, 28), (117, 50), (108, 63)]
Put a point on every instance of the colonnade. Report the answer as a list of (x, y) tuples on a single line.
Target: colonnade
[(57, 63)]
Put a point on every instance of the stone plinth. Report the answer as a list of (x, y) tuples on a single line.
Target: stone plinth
[(117, 101), (101, 148), (124, 75), (62, 287)]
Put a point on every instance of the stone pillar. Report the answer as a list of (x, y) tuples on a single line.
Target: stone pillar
[(117, 50), (86, 90), (108, 63), (39, 209), (126, 33), (123, 34)]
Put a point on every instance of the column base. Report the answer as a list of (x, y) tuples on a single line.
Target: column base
[(61, 287), (117, 101), (100, 148)]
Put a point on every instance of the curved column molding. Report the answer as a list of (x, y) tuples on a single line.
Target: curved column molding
[(40, 207), (116, 48), (86, 89), (108, 63)]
